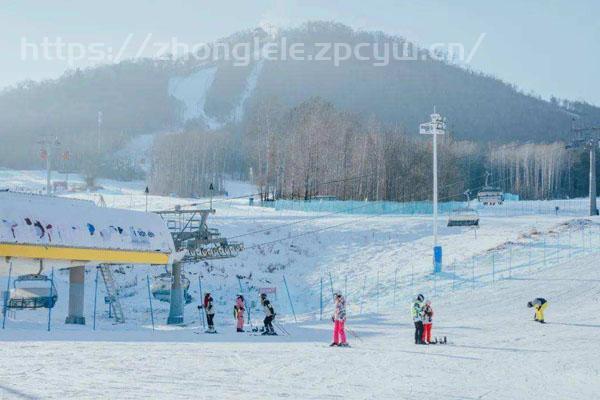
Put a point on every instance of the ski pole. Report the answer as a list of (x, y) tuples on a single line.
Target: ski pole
[(353, 333)]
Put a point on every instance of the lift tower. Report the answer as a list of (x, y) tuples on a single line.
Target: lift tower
[(589, 142)]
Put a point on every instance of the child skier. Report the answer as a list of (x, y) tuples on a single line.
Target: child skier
[(539, 304), (427, 320), (417, 315), (339, 320), (210, 313), (238, 312), (269, 315)]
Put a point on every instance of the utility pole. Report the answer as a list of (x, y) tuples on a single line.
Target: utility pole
[(435, 127), (48, 143), (589, 143)]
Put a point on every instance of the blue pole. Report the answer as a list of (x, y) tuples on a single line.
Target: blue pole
[(150, 301), (201, 299), (6, 294), (321, 298), (50, 308), (95, 296), (331, 284), (289, 298)]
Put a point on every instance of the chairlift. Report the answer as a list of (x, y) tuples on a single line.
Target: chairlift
[(31, 292), (465, 216), (490, 195), (161, 287)]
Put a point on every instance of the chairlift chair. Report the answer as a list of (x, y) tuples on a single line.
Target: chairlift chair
[(490, 195), (465, 216), (161, 287), (31, 292)]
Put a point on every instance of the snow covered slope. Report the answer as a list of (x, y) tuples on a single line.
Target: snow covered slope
[(496, 351)]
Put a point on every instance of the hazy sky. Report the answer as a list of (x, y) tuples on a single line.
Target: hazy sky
[(550, 47)]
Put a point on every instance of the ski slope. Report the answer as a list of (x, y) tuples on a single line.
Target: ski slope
[(496, 351)]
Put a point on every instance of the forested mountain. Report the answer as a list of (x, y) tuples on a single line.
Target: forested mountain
[(261, 107)]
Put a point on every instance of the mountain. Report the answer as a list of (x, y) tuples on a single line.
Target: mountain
[(147, 96)]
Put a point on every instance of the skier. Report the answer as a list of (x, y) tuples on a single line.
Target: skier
[(417, 315), (339, 320), (427, 320), (238, 312), (269, 315), (210, 312), (539, 304)]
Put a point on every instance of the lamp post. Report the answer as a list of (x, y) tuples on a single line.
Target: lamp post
[(435, 127)]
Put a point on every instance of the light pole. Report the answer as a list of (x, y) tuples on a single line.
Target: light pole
[(435, 127)]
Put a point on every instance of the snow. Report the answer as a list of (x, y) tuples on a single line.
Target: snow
[(192, 91), (251, 83), (495, 350)]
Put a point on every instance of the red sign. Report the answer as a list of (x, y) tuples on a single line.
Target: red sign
[(43, 154)]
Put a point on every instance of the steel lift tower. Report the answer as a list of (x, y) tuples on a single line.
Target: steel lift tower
[(590, 142)]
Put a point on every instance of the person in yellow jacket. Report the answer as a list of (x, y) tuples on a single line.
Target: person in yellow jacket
[(539, 305)]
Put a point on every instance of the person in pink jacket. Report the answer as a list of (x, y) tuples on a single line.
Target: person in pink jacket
[(339, 320), (238, 312)]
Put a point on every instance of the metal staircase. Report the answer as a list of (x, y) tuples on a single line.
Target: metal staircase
[(112, 292)]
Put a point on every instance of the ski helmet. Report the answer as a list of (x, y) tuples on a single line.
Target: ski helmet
[(263, 295), (420, 297)]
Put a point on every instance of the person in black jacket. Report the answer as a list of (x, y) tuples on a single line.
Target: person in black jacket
[(269, 315)]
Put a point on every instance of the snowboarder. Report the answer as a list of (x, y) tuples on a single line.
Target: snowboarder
[(539, 305), (339, 320), (210, 313), (238, 312), (269, 315), (417, 315), (427, 321)]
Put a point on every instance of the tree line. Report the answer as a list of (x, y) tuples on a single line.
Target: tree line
[(315, 149)]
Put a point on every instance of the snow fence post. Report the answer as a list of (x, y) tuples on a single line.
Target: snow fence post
[(453, 273), (493, 268), (321, 299), (150, 301), (362, 298), (95, 298), (473, 271), (558, 248), (544, 250), (510, 261), (377, 291), (50, 308), (201, 300), (395, 284), (289, 297), (346, 286), (6, 294)]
